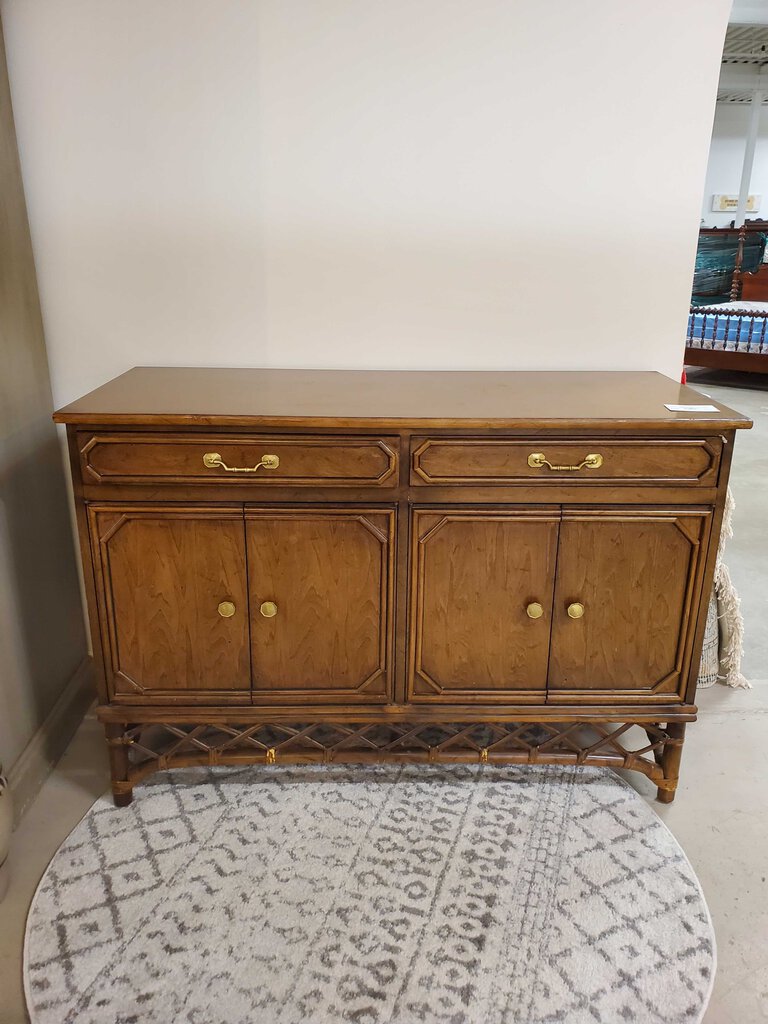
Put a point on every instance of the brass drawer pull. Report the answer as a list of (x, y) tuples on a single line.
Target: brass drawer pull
[(213, 459), (536, 460), (226, 609), (534, 610), (575, 610), (268, 609)]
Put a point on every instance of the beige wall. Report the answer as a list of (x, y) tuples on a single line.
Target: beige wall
[(409, 183), (42, 637)]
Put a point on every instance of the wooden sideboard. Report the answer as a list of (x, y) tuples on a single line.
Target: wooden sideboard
[(318, 565)]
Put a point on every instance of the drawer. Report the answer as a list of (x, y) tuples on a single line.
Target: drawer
[(588, 461), (126, 458)]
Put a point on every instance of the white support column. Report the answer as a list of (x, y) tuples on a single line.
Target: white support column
[(749, 156)]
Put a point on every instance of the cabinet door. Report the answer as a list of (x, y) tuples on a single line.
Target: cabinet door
[(481, 602), (320, 585), (628, 585), (173, 603)]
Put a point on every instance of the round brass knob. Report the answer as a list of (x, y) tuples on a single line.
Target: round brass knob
[(226, 609), (575, 610), (534, 610), (268, 609)]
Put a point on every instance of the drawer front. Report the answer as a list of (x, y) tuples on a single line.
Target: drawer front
[(213, 459), (588, 461)]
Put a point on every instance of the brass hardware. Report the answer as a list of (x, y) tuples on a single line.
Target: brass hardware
[(534, 610), (484, 756), (213, 459), (226, 609), (271, 756), (575, 610), (536, 460), (268, 609)]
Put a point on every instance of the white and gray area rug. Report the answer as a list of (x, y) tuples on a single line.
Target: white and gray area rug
[(371, 895)]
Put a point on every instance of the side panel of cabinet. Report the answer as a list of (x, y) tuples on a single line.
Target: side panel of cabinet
[(474, 574), (636, 579), (161, 575), (321, 595)]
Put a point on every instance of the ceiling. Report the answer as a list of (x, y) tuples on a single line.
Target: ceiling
[(745, 56)]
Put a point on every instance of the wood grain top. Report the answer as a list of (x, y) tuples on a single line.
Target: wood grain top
[(188, 396)]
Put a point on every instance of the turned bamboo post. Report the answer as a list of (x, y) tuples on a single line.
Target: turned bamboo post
[(670, 761), (736, 279), (122, 788)]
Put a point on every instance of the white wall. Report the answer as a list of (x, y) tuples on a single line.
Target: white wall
[(749, 12), (400, 183), (726, 156)]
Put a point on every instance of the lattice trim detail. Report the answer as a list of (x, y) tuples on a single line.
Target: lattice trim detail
[(160, 746)]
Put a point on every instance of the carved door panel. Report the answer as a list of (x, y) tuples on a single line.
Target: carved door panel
[(173, 603), (321, 586), (481, 601), (627, 586)]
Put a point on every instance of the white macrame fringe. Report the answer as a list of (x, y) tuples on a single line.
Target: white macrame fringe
[(729, 617)]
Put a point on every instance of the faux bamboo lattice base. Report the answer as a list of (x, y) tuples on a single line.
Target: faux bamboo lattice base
[(137, 750)]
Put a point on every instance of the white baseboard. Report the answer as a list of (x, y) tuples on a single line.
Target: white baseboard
[(34, 764)]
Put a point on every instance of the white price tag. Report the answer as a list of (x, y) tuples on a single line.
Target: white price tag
[(692, 408)]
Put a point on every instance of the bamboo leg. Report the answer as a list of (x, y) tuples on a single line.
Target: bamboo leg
[(670, 762), (122, 790), (657, 751)]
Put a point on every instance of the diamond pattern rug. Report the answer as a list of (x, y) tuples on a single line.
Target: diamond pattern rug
[(371, 895)]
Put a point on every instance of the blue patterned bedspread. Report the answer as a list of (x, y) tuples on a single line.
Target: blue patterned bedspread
[(731, 328)]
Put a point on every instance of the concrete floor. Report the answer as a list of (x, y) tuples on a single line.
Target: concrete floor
[(720, 816)]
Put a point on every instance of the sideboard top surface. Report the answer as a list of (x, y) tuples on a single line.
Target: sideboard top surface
[(187, 396)]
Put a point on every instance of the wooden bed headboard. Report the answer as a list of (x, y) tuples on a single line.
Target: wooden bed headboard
[(754, 287), (746, 348)]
